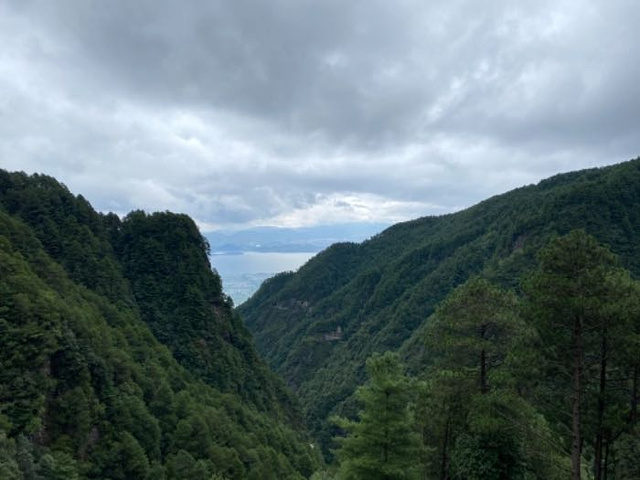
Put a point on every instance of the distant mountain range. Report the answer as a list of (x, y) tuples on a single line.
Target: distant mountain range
[(241, 280), (277, 239)]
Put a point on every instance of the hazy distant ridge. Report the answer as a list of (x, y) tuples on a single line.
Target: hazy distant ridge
[(277, 239)]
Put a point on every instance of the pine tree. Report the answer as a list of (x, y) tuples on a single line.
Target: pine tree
[(468, 337), (569, 295), (382, 445), (476, 422), (472, 331)]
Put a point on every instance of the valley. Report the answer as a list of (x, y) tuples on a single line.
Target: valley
[(127, 359)]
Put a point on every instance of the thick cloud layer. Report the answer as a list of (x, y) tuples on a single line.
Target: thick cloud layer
[(295, 112)]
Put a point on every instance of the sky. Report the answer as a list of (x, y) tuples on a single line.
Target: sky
[(303, 112)]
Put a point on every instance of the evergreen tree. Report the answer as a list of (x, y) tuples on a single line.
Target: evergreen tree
[(569, 296), (382, 445), (468, 337), (9, 468), (473, 330), (475, 420), (58, 466), (615, 370)]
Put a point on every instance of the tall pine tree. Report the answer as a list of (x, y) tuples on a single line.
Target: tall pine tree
[(569, 297), (476, 420)]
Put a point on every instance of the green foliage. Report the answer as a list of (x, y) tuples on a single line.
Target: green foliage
[(58, 466), (9, 469), (69, 230), (180, 298), (628, 465), (88, 391), (475, 420), (382, 444), (381, 292), (525, 420), (322, 475), (472, 331), (584, 306), (481, 457)]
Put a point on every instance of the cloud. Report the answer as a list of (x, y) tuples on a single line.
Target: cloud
[(299, 112)]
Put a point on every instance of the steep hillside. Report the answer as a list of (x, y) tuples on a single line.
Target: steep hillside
[(164, 257), (318, 326), (86, 388)]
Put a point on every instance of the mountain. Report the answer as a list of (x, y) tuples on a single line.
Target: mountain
[(279, 239), (122, 357), (318, 326)]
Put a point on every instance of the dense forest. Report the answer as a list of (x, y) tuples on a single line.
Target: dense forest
[(542, 385), (318, 327), (121, 357), (500, 342)]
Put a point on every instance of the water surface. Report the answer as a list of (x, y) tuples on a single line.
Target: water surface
[(243, 273)]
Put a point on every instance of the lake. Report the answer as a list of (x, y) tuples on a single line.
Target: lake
[(243, 273)]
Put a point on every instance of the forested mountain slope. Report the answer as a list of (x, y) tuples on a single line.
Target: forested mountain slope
[(318, 326), (121, 357)]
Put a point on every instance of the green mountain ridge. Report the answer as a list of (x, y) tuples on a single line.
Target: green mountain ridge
[(122, 357), (318, 326)]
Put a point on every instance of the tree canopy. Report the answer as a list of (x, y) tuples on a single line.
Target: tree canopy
[(87, 390), (382, 444)]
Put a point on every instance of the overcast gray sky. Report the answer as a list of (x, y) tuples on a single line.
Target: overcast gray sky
[(298, 112)]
